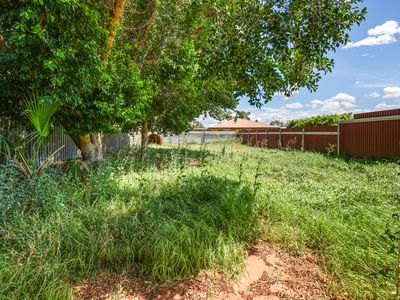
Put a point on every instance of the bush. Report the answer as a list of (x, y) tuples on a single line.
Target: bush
[(20, 195), (155, 139), (324, 120)]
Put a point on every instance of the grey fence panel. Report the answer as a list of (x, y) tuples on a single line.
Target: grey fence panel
[(198, 137), (60, 146), (112, 142)]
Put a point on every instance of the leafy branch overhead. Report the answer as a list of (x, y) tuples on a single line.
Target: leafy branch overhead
[(114, 64)]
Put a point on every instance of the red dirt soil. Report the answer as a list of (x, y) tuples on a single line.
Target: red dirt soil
[(270, 274)]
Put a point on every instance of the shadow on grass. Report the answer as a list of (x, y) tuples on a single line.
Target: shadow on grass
[(198, 222), (203, 222)]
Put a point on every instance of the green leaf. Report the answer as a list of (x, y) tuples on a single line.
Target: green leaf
[(40, 113)]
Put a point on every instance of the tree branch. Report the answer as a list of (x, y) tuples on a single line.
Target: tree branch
[(118, 11), (145, 34), (3, 43)]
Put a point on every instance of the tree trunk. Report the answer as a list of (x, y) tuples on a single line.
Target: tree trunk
[(3, 43), (144, 137), (118, 10), (90, 146), (147, 28)]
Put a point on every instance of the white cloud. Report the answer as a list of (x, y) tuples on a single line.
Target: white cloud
[(341, 103), (377, 84), (338, 103), (269, 114), (367, 55), (373, 95), (294, 105), (380, 35), (384, 39), (386, 106), (315, 103), (389, 27), (391, 92), (342, 97)]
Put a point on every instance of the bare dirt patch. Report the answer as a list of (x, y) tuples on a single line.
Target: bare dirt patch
[(271, 274)]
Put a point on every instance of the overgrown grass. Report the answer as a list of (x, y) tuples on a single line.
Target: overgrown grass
[(184, 209)]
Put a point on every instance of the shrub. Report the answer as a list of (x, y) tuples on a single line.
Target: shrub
[(324, 120), (155, 138)]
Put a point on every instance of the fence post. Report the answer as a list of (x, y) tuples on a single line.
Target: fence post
[(302, 140), (338, 139), (203, 138), (266, 138), (248, 137), (280, 139), (256, 138)]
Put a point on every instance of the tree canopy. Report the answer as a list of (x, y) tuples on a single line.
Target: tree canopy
[(277, 123), (113, 64)]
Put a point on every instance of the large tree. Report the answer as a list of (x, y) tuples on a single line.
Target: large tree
[(65, 50), (118, 64), (171, 50)]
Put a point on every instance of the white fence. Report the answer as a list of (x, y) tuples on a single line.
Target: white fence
[(198, 137)]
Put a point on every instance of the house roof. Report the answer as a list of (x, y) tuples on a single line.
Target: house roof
[(240, 124)]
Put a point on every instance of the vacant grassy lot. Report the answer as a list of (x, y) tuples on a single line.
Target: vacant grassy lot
[(184, 209)]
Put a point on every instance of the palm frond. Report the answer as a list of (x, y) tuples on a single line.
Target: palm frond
[(40, 113), (5, 146)]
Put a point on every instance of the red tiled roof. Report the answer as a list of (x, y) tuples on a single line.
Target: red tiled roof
[(241, 124)]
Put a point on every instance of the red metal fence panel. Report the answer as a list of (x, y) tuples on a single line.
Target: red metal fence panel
[(320, 143), (374, 114), (272, 140), (292, 141), (377, 139), (322, 138), (369, 135)]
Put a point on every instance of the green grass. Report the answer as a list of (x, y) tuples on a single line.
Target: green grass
[(185, 209)]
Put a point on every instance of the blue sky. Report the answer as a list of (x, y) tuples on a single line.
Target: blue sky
[(366, 76)]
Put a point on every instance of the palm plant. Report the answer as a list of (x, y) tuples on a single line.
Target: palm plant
[(39, 113)]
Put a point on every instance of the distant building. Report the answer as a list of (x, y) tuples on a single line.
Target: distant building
[(238, 124)]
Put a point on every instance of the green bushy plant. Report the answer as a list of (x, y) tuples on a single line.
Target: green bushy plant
[(323, 120), (39, 113)]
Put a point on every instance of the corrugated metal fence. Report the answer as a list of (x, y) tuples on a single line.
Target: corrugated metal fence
[(375, 135), (368, 135), (59, 140)]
